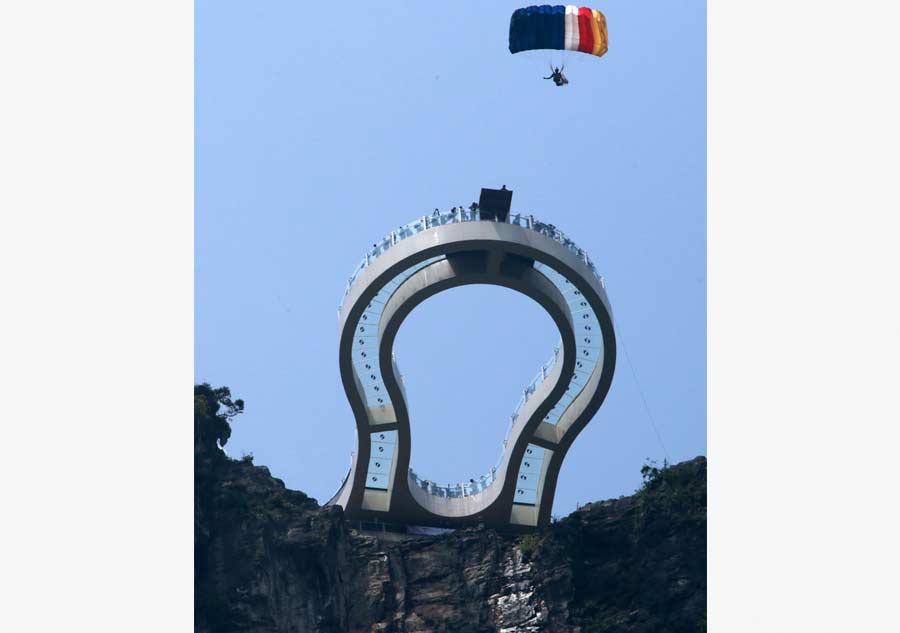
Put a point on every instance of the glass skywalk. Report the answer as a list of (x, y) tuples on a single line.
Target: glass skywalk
[(365, 353)]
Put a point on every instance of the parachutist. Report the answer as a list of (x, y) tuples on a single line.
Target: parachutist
[(558, 78)]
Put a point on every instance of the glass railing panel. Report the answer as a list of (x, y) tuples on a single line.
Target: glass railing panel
[(387, 437), (585, 316), (376, 481), (518, 219), (586, 364), (365, 344), (364, 355), (528, 481), (589, 338), (469, 215), (441, 218), (376, 304), (589, 353), (379, 467), (388, 289), (365, 364), (520, 404), (525, 497), (576, 300), (356, 273), (580, 378), (376, 395), (383, 449), (371, 314), (528, 475), (475, 486), (555, 277), (566, 398)]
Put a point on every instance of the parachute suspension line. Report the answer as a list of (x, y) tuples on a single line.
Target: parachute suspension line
[(555, 59), (621, 337)]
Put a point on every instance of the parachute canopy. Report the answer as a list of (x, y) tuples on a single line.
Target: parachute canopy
[(561, 27)]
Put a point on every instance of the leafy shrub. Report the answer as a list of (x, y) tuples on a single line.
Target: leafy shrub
[(213, 412)]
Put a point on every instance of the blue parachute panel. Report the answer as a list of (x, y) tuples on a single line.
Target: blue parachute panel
[(557, 28)]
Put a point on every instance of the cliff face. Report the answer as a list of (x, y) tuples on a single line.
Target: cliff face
[(270, 559)]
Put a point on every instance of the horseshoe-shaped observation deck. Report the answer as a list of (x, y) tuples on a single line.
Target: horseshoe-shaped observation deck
[(445, 250)]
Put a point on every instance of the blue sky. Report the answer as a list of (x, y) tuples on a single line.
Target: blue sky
[(319, 130)]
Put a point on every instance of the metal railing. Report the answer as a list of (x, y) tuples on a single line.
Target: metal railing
[(457, 215)]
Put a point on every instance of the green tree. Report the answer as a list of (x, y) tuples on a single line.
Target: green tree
[(213, 412)]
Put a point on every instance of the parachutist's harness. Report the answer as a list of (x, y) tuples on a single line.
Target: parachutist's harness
[(558, 78)]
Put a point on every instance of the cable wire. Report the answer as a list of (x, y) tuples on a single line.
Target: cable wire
[(637, 383)]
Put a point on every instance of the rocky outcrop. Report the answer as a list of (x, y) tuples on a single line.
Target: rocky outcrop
[(269, 559)]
